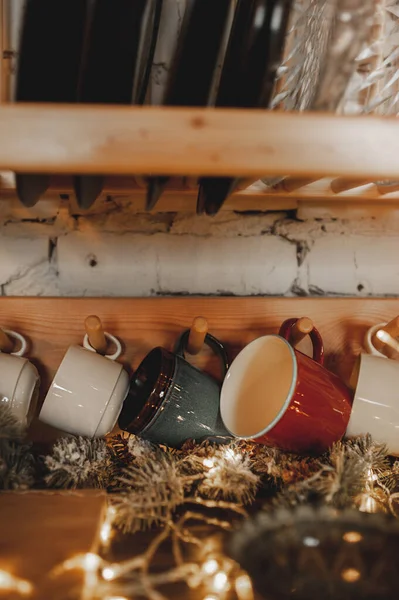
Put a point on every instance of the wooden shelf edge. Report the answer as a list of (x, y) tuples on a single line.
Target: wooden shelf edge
[(214, 142), (181, 197)]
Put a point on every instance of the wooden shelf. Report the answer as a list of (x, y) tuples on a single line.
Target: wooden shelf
[(182, 141)]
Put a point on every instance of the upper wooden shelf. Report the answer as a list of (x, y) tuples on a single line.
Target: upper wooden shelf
[(78, 139)]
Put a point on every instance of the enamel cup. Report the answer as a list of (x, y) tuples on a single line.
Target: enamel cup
[(275, 395), (376, 401), (19, 382), (87, 392), (171, 401)]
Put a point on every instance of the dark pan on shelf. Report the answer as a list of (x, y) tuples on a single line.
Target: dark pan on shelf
[(247, 81), (194, 65), (48, 69), (116, 68)]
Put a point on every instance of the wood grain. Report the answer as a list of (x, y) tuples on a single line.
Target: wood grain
[(80, 139), (40, 530), (53, 324)]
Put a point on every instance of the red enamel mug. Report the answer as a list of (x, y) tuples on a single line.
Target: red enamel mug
[(275, 395)]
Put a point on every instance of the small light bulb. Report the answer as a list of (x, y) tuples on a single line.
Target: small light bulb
[(243, 585), (231, 455), (105, 532), (351, 575), (108, 573), (220, 582), (9, 583), (91, 562), (210, 566), (207, 462), (352, 537)]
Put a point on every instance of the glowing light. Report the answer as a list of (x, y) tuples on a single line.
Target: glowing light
[(207, 462), (371, 476), (220, 582), (9, 583), (115, 598), (87, 562), (91, 562), (351, 575), (353, 537), (311, 542), (211, 566), (231, 455), (105, 533), (108, 573), (243, 586), (210, 598)]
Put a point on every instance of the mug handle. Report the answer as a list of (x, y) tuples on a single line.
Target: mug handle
[(318, 347), (111, 338), (21, 340), (210, 341)]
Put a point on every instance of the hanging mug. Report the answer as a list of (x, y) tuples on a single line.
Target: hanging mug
[(170, 401), (277, 396), (87, 392), (19, 381)]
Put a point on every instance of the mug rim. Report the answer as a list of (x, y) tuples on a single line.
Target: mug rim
[(287, 401), (150, 410)]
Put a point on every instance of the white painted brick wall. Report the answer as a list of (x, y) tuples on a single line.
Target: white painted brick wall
[(121, 253)]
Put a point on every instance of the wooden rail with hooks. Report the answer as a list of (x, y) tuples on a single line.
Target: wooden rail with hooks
[(51, 325)]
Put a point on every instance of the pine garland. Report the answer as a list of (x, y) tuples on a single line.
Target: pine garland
[(17, 464), (149, 483)]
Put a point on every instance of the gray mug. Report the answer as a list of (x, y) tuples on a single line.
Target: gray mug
[(170, 401)]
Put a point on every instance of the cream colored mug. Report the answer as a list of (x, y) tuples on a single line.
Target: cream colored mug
[(19, 381), (375, 408), (87, 392)]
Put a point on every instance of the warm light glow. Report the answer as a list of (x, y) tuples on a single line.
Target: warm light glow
[(210, 598), (115, 598), (210, 566), (207, 462), (87, 562), (220, 582), (243, 585), (371, 476), (108, 573), (231, 455), (105, 533), (351, 575), (353, 537), (9, 583), (91, 562)]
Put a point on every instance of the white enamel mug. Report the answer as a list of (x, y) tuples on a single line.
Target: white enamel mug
[(19, 381), (87, 392), (375, 408)]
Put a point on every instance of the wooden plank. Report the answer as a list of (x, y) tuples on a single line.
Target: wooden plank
[(175, 141), (128, 195), (52, 324), (41, 530)]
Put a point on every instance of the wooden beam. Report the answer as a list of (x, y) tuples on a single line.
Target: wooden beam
[(215, 142)]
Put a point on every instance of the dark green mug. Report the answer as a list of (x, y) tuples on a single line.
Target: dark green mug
[(170, 401)]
